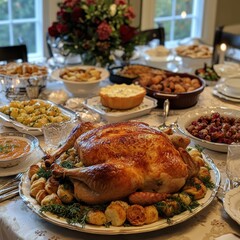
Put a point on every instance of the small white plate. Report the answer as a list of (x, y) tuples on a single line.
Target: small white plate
[(22, 167), (231, 204), (187, 118), (225, 90), (120, 115), (227, 69), (222, 96)]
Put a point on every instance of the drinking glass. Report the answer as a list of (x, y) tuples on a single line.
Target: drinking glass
[(55, 134), (233, 165)]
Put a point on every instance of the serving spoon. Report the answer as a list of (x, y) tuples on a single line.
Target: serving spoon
[(166, 106)]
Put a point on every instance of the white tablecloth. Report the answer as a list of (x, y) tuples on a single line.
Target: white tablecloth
[(19, 222)]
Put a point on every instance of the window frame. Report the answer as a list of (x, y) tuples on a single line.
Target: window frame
[(38, 20), (206, 28)]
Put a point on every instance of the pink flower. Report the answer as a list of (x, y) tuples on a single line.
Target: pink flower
[(120, 2), (130, 13), (104, 31)]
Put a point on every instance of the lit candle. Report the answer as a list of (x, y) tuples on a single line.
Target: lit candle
[(223, 48)]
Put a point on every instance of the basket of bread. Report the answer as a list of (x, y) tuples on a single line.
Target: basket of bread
[(17, 76)]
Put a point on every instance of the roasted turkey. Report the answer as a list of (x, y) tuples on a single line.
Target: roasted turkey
[(123, 160)]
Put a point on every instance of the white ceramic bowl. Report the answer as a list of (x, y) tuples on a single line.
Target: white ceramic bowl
[(195, 62), (187, 118), (195, 56), (31, 140), (227, 69), (82, 88)]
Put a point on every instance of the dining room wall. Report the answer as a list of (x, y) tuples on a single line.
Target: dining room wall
[(227, 13)]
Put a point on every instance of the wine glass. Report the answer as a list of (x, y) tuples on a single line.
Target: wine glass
[(233, 165)]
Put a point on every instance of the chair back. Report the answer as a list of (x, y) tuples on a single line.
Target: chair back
[(222, 35), (151, 34), (49, 45), (14, 53)]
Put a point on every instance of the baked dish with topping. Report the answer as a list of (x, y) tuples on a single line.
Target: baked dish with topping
[(122, 96)]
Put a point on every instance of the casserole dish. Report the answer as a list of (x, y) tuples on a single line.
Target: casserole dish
[(177, 100), (119, 79)]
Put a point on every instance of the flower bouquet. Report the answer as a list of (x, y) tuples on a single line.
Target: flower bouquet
[(95, 29)]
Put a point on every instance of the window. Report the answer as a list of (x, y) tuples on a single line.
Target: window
[(180, 18), (21, 20)]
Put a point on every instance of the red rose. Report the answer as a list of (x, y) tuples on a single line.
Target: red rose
[(76, 14), (127, 33), (104, 31), (91, 2), (120, 2), (71, 3), (62, 28), (63, 16), (53, 32)]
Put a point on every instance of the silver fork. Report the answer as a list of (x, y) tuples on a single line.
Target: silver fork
[(15, 179), (9, 195)]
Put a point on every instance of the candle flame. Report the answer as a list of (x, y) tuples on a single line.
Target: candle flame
[(183, 14), (223, 47)]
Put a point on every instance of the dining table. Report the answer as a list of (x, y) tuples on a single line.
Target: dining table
[(17, 221)]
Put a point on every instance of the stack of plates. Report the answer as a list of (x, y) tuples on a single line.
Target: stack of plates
[(228, 89)]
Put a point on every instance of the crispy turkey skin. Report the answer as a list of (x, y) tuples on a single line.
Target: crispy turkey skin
[(122, 158)]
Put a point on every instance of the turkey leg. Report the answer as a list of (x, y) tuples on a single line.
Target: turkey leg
[(102, 182), (76, 132)]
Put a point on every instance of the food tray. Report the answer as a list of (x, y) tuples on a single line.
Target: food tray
[(112, 116), (24, 191), (8, 122)]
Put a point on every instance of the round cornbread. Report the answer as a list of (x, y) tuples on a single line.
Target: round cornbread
[(122, 96)]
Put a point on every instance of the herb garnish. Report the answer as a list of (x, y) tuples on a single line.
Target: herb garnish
[(74, 213), (44, 173)]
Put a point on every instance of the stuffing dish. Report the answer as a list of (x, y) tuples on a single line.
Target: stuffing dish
[(34, 113), (117, 175)]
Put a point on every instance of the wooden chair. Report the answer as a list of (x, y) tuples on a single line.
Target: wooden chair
[(224, 34), (13, 53), (151, 34), (49, 47)]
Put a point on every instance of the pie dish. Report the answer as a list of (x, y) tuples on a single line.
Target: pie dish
[(231, 204), (163, 223), (187, 118), (120, 115)]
